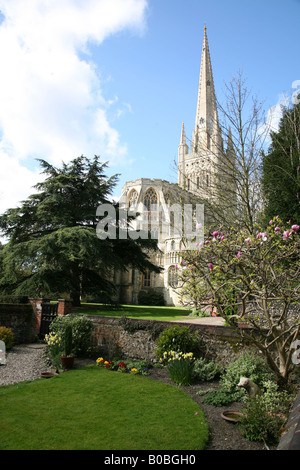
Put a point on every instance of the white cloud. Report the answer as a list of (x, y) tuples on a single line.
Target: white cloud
[(51, 102), (274, 113), (272, 119)]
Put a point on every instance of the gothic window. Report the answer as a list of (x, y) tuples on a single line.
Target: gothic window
[(173, 245), (168, 198), (147, 279), (154, 233), (150, 199), (172, 276), (132, 200), (198, 182)]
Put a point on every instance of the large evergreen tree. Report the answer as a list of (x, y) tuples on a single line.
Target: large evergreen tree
[(52, 244), (281, 169)]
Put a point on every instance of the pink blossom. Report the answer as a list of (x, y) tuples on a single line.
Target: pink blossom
[(215, 234), (207, 242), (295, 228), (211, 266), (222, 238), (239, 255), (248, 240), (271, 221), (286, 234), (263, 236), (277, 229)]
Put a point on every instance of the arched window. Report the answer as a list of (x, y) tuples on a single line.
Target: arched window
[(147, 279), (150, 205), (132, 198), (150, 199), (172, 276)]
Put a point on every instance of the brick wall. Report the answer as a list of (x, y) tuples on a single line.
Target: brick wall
[(20, 318)]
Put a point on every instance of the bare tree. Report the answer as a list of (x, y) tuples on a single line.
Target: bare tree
[(230, 185)]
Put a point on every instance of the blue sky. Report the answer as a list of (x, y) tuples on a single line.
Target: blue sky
[(117, 78)]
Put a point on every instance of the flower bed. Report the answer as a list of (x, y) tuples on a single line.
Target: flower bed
[(125, 367)]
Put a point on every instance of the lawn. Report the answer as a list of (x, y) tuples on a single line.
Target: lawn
[(139, 312), (94, 408)]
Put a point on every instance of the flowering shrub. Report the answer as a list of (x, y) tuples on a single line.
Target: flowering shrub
[(131, 368), (180, 366), (251, 278), (178, 338), (7, 336), (55, 346)]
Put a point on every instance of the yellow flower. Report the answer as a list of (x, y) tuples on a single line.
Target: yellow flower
[(134, 370)]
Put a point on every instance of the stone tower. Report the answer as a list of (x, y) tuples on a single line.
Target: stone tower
[(198, 174), (198, 170)]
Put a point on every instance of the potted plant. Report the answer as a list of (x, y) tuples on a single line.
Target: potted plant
[(67, 359)]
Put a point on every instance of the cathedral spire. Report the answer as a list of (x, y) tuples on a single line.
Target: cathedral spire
[(206, 114), (182, 152), (182, 138)]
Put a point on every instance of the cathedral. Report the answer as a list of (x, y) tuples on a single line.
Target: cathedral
[(199, 170)]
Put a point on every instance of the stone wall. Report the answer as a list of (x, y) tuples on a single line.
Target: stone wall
[(136, 339)]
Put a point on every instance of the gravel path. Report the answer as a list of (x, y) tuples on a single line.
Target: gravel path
[(24, 362)]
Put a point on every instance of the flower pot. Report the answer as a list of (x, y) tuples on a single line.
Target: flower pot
[(67, 362)]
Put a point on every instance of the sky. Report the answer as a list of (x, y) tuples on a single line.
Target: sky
[(116, 78)]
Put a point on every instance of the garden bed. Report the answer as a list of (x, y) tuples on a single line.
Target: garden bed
[(223, 435)]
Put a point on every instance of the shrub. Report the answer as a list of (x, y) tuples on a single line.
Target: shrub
[(81, 332), (264, 415), (7, 336), (180, 339), (247, 365), (151, 297), (214, 397), (68, 341), (205, 371)]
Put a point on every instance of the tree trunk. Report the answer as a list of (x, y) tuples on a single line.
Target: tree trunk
[(75, 291)]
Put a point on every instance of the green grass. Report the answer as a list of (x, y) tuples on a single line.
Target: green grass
[(140, 312), (93, 408)]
